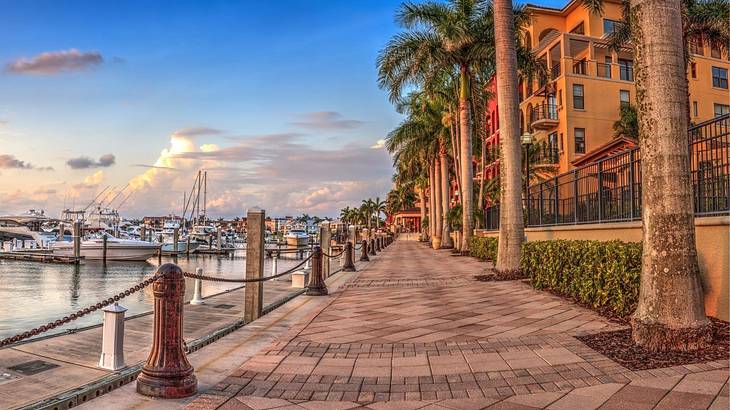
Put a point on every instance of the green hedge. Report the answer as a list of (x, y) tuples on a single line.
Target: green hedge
[(483, 248), (603, 275)]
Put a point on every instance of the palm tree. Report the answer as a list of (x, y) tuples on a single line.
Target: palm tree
[(378, 208), (670, 314), (511, 224), (628, 123)]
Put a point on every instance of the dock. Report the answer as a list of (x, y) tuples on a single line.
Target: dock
[(44, 257)]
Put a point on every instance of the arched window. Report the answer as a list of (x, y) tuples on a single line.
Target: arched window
[(544, 33)]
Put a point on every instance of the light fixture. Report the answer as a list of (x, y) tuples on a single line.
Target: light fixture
[(526, 138)]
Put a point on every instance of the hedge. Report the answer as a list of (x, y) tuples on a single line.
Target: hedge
[(603, 275)]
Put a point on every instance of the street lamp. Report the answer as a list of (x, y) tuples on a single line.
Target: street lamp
[(526, 140)]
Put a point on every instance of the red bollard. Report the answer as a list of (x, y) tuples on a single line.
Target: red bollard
[(167, 373)]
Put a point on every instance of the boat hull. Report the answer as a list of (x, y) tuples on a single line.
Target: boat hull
[(297, 241), (114, 252)]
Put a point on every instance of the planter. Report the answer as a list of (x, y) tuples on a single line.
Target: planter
[(436, 241)]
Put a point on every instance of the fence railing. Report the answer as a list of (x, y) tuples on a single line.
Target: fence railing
[(610, 190)]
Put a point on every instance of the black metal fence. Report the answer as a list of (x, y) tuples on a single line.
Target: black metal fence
[(610, 190)]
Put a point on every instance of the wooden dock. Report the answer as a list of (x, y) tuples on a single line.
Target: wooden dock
[(59, 364), (35, 256)]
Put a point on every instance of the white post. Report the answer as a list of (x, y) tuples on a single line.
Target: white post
[(307, 264), (198, 289), (274, 264), (112, 345)]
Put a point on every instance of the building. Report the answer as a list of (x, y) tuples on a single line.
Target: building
[(571, 113)]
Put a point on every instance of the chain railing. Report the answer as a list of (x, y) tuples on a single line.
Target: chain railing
[(80, 313), (337, 255), (261, 279)]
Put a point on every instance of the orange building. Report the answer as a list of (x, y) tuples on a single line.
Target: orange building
[(571, 113)]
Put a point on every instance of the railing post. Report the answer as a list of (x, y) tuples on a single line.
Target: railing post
[(349, 265), (377, 243), (542, 188), (77, 240), (104, 248), (325, 239), (316, 286), (557, 202), (254, 291), (575, 196), (198, 290), (112, 343), (274, 263), (175, 240), (600, 191), (371, 246), (364, 252), (632, 177), (167, 373)]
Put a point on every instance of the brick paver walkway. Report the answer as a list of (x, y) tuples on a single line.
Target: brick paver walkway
[(415, 330)]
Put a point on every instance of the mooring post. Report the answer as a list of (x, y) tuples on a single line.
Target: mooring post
[(218, 239), (307, 264), (274, 263), (364, 251), (167, 373), (142, 233), (349, 265), (317, 286), (187, 244), (254, 291), (61, 232), (325, 239), (198, 289), (175, 240), (104, 240), (372, 247), (77, 240), (112, 342)]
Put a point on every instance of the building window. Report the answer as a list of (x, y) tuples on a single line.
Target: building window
[(721, 109), (693, 69), (579, 29), (609, 26), (715, 51), (695, 108), (625, 97), (626, 69), (580, 140), (695, 46), (578, 97), (719, 77)]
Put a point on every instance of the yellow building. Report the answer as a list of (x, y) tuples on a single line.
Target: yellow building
[(573, 111)]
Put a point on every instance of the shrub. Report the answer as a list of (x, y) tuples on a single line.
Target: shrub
[(483, 248), (602, 275)]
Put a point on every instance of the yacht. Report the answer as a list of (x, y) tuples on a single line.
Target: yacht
[(117, 249), (297, 237)]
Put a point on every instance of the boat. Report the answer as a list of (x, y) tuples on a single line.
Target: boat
[(297, 237), (168, 248), (117, 249)]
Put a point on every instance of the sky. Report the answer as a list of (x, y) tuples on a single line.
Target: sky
[(278, 101)]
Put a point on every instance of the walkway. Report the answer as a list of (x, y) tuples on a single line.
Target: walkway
[(413, 329)]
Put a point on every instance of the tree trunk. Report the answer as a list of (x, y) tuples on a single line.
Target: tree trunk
[(431, 207), (422, 200), (670, 313), (438, 210), (467, 181), (453, 132), (481, 180), (446, 241), (511, 224)]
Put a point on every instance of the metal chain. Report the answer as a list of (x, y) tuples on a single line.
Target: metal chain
[(83, 312), (263, 279)]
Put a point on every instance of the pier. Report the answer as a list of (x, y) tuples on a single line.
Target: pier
[(42, 256)]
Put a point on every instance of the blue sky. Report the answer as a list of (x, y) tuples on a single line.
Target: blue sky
[(246, 77)]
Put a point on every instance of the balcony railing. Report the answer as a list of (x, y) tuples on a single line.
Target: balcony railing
[(603, 70), (580, 67), (544, 115), (555, 71), (626, 72), (545, 154), (610, 190)]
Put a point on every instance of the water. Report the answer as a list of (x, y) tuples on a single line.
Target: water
[(33, 294)]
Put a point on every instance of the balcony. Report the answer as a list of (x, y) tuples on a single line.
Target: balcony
[(544, 116), (544, 154)]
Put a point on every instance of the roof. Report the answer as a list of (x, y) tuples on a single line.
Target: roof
[(606, 150)]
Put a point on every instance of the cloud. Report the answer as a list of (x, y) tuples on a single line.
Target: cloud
[(91, 181), (379, 144), (326, 121), (197, 131), (154, 166), (104, 161), (10, 162), (56, 62)]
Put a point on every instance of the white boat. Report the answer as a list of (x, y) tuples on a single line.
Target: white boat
[(117, 249), (297, 237), (182, 247)]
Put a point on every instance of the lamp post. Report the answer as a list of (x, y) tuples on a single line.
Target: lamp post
[(526, 140)]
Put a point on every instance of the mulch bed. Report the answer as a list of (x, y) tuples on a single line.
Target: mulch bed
[(619, 347), (495, 276)]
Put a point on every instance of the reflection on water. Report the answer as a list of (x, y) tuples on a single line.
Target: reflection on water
[(33, 294)]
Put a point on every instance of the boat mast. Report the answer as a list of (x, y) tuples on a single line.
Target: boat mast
[(205, 197)]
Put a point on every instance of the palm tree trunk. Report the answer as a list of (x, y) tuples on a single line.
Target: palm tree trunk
[(446, 241), (438, 221), (670, 313), (422, 203), (431, 219), (511, 228), (481, 180), (467, 182)]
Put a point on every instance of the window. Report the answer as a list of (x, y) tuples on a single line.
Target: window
[(626, 69), (579, 29), (695, 46), (721, 109), (719, 77), (580, 140), (578, 97), (695, 109), (693, 68), (609, 26), (625, 97), (715, 51)]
